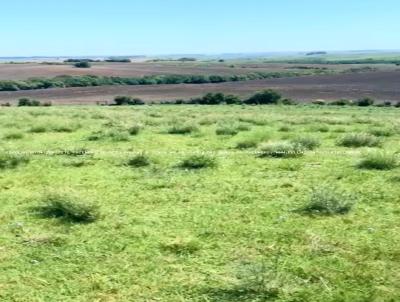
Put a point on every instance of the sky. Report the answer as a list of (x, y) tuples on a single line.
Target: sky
[(150, 27)]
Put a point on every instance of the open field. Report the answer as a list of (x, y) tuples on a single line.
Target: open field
[(114, 207), (23, 71), (382, 85)]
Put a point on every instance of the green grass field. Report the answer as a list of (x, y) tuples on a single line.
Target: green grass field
[(199, 203)]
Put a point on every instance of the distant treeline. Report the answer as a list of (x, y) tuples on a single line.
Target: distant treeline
[(117, 60), (341, 61), (91, 80)]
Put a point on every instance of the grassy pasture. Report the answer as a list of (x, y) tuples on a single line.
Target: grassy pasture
[(91, 210)]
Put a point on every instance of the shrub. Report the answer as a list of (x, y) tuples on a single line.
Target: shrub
[(363, 102), (309, 143), (319, 102), (8, 161), (281, 150), (288, 102), (127, 100), (28, 102), (181, 246), (381, 132), (38, 129), (13, 135), (327, 201), (265, 97), (134, 130), (68, 208), (251, 141), (198, 162), (378, 161), (357, 140), (232, 99), (247, 143), (341, 102), (82, 64), (182, 129), (226, 130), (140, 160)]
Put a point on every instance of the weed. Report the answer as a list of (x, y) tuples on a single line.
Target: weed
[(357, 140), (378, 161)]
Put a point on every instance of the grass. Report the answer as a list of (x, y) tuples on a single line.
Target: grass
[(222, 227), (182, 129)]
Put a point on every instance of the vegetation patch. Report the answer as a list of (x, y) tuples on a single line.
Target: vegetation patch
[(198, 162), (357, 140), (378, 161), (328, 201), (68, 208), (280, 150)]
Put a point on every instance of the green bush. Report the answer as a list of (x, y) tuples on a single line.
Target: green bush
[(13, 135), (134, 130), (226, 130), (140, 160), (127, 100), (327, 201), (68, 208), (378, 161), (198, 162), (364, 102), (28, 102), (182, 129), (9, 161), (357, 140), (265, 97), (309, 143), (341, 102), (82, 64), (381, 132)]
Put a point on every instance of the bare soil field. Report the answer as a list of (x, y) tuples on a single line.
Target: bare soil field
[(139, 69), (379, 85)]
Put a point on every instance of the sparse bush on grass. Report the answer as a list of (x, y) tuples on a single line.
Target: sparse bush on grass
[(118, 135), (381, 132), (38, 129), (68, 208), (243, 127), (77, 163), (309, 143), (140, 160), (182, 129), (319, 128), (134, 130), (252, 140), (284, 129), (327, 201), (9, 161), (181, 246), (280, 150), (378, 161), (226, 130), (357, 140), (198, 162), (13, 135)]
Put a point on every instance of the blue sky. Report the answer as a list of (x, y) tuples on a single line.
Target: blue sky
[(122, 27)]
